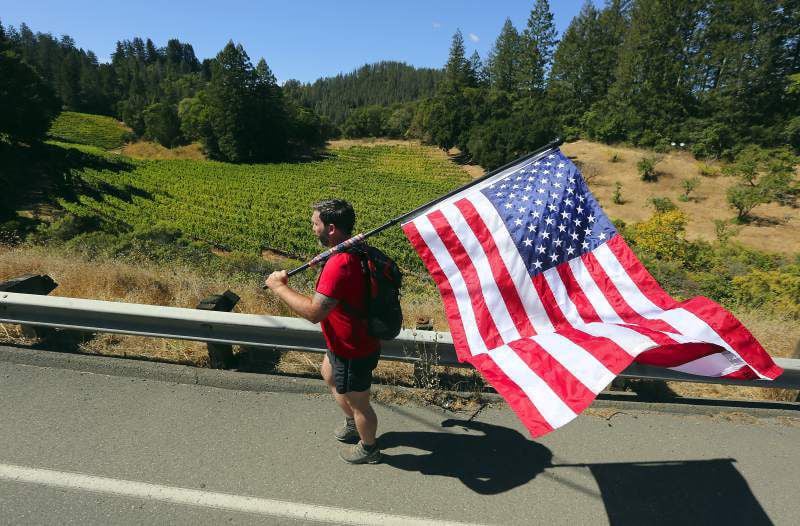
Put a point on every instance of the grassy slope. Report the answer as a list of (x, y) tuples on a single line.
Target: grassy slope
[(94, 130)]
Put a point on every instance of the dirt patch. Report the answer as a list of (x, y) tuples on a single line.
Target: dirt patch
[(152, 150), (776, 229)]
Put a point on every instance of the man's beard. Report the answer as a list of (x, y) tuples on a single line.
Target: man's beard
[(323, 238)]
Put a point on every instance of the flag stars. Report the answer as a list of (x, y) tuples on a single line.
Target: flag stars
[(581, 198), (602, 236), (539, 202), (565, 215), (557, 242), (549, 220), (509, 205), (584, 245), (551, 207), (570, 251), (590, 218), (531, 228), (518, 222), (562, 228), (545, 234), (535, 214), (577, 222), (588, 231), (579, 209), (574, 236), (554, 257), (528, 242), (537, 264), (540, 249)]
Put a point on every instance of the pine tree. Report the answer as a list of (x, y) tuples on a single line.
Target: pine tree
[(477, 72), (652, 93), (536, 45), (585, 60), (456, 71), (503, 60)]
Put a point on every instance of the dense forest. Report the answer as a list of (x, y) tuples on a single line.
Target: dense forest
[(380, 84), (717, 75)]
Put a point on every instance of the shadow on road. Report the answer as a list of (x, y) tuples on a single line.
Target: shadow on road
[(492, 459), (680, 492), (495, 461)]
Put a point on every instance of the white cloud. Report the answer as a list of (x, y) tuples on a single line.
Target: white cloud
[(474, 37), (437, 25)]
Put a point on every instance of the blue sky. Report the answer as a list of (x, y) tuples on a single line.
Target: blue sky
[(302, 39)]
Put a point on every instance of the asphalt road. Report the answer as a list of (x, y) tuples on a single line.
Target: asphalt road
[(83, 448)]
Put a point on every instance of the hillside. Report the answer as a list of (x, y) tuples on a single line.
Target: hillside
[(93, 130), (776, 228), (254, 207), (382, 83)]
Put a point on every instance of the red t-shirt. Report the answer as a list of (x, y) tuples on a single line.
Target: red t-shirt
[(344, 329)]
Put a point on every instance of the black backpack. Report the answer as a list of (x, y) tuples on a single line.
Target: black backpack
[(384, 279)]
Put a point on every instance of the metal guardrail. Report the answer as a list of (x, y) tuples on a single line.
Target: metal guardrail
[(272, 332)]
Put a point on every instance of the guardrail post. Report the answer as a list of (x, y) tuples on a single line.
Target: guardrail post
[(426, 352), (220, 355), (40, 284)]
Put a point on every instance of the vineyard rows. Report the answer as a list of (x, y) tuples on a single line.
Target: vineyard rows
[(251, 207)]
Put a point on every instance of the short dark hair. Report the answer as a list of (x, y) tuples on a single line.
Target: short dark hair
[(336, 212)]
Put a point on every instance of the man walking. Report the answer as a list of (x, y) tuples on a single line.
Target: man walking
[(339, 304)]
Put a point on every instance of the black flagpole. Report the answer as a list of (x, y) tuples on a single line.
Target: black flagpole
[(361, 237)]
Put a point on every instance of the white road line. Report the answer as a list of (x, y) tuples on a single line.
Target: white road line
[(207, 499)]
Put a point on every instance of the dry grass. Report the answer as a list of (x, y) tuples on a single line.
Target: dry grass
[(777, 228), (185, 287), (153, 150)]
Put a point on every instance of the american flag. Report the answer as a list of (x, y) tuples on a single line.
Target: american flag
[(549, 303)]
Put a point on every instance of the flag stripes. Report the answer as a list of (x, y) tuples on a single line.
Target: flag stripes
[(549, 334)]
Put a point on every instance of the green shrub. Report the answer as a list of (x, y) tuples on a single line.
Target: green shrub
[(776, 291), (662, 236), (662, 204), (708, 170), (689, 185), (647, 167), (617, 196)]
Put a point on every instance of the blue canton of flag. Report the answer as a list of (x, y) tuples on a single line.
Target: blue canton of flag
[(549, 212)]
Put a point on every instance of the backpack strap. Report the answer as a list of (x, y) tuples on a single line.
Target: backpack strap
[(350, 309)]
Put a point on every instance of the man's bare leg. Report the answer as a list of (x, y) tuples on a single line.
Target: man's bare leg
[(366, 419), (341, 400)]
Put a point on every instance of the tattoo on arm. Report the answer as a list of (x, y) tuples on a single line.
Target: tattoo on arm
[(326, 304)]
